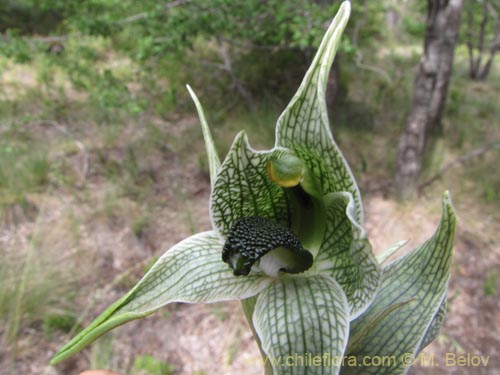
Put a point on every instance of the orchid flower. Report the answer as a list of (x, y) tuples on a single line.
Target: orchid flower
[(288, 241)]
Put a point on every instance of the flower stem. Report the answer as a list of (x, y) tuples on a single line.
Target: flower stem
[(248, 307)]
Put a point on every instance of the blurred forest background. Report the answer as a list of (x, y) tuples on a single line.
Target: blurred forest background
[(102, 164)]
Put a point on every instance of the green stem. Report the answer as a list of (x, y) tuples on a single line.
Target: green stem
[(248, 308)]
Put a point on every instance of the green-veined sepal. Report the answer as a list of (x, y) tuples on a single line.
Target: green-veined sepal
[(243, 188), (421, 275), (435, 326), (191, 271), (303, 127), (213, 158), (301, 318), (357, 337), (390, 251), (346, 253)]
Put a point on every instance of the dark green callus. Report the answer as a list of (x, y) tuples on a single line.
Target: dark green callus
[(252, 238)]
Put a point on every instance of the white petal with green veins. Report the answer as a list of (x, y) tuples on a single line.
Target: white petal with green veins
[(191, 271), (346, 253), (243, 188), (304, 128), (299, 318), (421, 275)]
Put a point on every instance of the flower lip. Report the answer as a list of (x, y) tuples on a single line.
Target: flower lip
[(252, 237)]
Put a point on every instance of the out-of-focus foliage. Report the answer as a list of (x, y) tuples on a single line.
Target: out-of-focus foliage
[(250, 45), (413, 17), (149, 27), (481, 35), (31, 16)]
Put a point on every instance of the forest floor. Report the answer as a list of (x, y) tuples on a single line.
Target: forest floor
[(113, 206)]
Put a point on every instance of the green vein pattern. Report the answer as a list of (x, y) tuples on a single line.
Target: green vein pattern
[(421, 275), (243, 188), (304, 128), (346, 253), (300, 317), (191, 271)]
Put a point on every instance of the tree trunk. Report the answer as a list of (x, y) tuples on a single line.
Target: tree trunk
[(487, 67), (430, 90), (477, 37)]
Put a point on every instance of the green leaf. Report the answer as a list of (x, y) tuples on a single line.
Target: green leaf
[(304, 128), (346, 254), (421, 275), (243, 188), (213, 158), (191, 271), (300, 320)]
